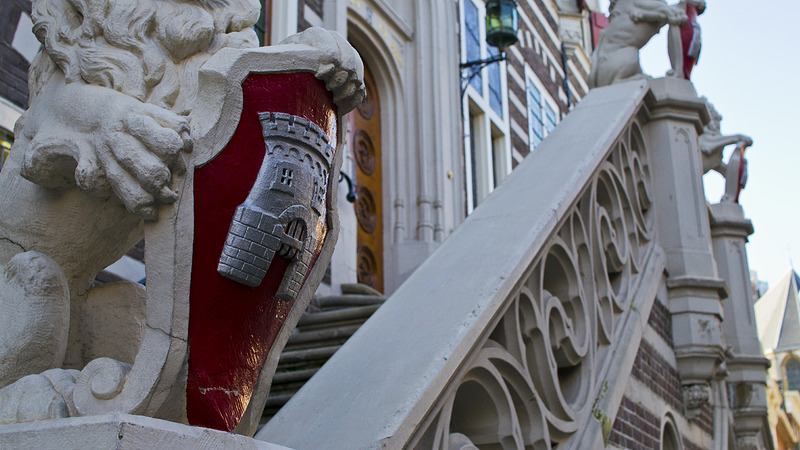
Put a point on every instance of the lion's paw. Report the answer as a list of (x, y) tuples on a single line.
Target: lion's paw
[(39, 397), (105, 142), (34, 316), (676, 16), (340, 67)]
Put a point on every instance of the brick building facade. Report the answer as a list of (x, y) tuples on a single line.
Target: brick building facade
[(639, 424)]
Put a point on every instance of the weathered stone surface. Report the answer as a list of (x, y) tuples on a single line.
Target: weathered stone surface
[(34, 316), (121, 431)]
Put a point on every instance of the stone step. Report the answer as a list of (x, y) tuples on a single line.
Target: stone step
[(293, 376), (350, 300), (304, 339), (308, 354), (275, 401), (361, 289), (343, 315), (317, 337)]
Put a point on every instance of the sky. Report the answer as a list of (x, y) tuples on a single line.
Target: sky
[(748, 68)]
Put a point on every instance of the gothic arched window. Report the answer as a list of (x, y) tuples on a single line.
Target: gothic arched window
[(793, 374), (670, 436)]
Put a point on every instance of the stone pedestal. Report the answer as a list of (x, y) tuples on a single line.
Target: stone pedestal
[(121, 431), (746, 366), (695, 289)]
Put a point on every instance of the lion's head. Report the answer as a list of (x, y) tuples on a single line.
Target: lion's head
[(148, 49)]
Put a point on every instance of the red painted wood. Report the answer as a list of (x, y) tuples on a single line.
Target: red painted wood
[(232, 327)]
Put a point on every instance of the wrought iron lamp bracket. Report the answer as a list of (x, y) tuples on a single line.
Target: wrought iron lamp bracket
[(473, 68), (351, 190)]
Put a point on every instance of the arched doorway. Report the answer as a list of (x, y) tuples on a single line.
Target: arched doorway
[(365, 145)]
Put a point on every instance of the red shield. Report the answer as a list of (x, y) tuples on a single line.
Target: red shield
[(232, 327)]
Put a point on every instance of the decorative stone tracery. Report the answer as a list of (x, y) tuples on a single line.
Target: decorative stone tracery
[(533, 379)]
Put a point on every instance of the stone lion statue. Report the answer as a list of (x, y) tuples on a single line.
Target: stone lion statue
[(95, 157), (631, 25)]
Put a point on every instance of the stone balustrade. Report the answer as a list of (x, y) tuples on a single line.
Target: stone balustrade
[(523, 329)]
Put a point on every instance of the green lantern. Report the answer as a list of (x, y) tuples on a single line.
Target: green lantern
[(502, 23)]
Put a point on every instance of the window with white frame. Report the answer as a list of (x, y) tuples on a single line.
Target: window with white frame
[(550, 118), (535, 119), (542, 115), (487, 150), (471, 40), (495, 83)]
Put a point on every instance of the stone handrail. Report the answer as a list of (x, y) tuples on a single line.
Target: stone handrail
[(529, 306)]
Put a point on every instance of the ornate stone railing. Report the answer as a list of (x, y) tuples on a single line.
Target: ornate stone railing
[(509, 333), (522, 329), (540, 372)]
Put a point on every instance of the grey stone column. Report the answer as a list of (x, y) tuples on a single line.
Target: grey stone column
[(746, 365), (694, 287)]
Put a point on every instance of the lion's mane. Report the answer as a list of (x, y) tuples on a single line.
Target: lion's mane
[(148, 49)]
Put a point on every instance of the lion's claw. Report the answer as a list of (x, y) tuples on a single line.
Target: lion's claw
[(340, 66)]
